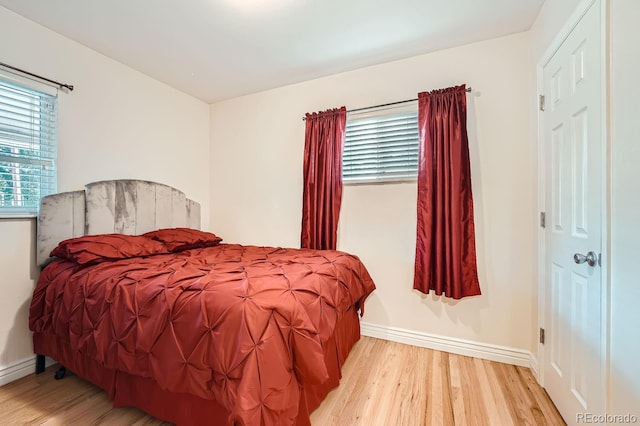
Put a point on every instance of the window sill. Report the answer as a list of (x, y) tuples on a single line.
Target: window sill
[(378, 181), (22, 216)]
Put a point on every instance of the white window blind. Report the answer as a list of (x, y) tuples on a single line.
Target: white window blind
[(28, 120), (381, 146)]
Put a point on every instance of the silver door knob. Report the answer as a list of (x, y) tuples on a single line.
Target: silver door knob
[(590, 259)]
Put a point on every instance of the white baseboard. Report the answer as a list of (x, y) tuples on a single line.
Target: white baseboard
[(20, 369), (533, 365), (453, 345)]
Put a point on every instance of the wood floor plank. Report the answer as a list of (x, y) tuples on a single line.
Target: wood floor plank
[(457, 401), (473, 393), (36, 405), (412, 391), (439, 404), (384, 383), (493, 394), (548, 413)]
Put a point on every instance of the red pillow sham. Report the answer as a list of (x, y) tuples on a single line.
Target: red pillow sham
[(178, 239), (103, 247)]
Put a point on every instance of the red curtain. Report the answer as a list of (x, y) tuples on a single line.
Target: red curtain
[(322, 192), (445, 242)]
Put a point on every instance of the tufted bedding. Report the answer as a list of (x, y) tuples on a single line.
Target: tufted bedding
[(257, 334)]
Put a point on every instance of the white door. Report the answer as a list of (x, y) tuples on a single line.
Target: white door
[(573, 138)]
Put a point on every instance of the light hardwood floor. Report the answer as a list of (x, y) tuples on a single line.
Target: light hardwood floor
[(383, 383)]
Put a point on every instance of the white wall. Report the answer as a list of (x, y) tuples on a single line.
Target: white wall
[(551, 18), (117, 123), (256, 182), (625, 207)]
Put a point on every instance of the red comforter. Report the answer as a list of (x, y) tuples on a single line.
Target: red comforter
[(242, 325)]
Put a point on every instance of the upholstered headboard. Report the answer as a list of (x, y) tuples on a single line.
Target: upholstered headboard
[(112, 206)]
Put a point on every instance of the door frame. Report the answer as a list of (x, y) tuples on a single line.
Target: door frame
[(581, 9)]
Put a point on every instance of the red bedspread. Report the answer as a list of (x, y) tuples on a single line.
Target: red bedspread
[(242, 325)]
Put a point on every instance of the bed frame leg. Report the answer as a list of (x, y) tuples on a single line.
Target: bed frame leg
[(39, 364), (60, 373)]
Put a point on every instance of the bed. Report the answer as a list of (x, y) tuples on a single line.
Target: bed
[(178, 323)]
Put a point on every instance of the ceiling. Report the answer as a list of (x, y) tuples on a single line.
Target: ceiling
[(220, 49)]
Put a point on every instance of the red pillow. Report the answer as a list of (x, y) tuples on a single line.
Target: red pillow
[(178, 239), (99, 248)]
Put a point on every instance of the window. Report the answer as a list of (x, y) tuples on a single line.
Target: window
[(28, 116), (381, 146)]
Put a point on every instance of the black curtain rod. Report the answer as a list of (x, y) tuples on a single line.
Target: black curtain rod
[(468, 89), (56, 83)]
